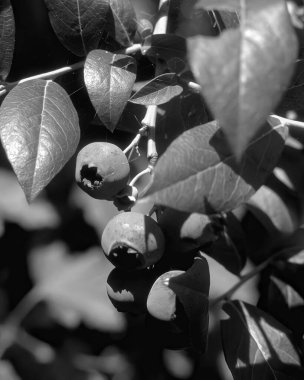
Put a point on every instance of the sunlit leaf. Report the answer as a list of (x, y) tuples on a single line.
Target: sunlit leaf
[(39, 131), (158, 91), (284, 303), (275, 207), (75, 285), (243, 72), (256, 346), (78, 23), (198, 172), (124, 21), (7, 38), (109, 79)]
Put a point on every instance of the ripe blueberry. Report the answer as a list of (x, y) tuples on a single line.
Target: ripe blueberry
[(161, 302), (102, 170), (132, 240)]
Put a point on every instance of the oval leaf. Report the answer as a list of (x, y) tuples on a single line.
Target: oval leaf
[(258, 60), (198, 173), (109, 79), (124, 21), (256, 346), (39, 131), (7, 38), (158, 91), (78, 23)]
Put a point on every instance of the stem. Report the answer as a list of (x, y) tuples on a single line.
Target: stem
[(23, 308), (257, 270), (63, 70), (136, 139), (50, 75), (289, 122), (194, 86), (148, 170)]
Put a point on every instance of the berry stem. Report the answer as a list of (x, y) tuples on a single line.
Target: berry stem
[(289, 122), (136, 139), (148, 170), (149, 120)]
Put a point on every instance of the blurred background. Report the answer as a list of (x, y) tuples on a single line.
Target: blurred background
[(57, 322)]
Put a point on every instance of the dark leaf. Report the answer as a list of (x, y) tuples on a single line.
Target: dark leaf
[(125, 24), (256, 346), (170, 123), (7, 38), (198, 172), (158, 91), (39, 131), (109, 79), (225, 19), (229, 249), (78, 23), (165, 46), (292, 270), (258, 61), (192, 290), (284, 303)]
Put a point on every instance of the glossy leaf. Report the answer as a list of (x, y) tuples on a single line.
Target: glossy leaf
[(198, 172), (244, 72), (192, 290), (256, 346), (7, 38), (124, 18), (109, 79), (39, 131), (78, 23), (158, 91), (284, 303)]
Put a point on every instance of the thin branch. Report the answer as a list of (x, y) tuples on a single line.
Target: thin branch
[(67, 69), (148, 170), (289, 122), (134, 143), (243, 279)]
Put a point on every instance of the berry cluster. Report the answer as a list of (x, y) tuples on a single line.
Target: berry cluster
[(136, 245)]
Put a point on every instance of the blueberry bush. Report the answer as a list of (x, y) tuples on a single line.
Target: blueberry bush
[(152, 205)]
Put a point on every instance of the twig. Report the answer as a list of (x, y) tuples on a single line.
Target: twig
[(243, 279), (67, 69), (148, 170), (289, 122), (136, 139)]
